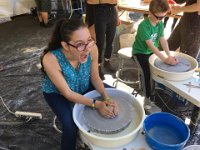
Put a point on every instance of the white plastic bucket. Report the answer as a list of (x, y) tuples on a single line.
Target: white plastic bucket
[(110, 140), (173, 76)]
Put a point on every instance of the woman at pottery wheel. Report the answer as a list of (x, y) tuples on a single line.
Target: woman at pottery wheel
[(150, 35), (70, 64)]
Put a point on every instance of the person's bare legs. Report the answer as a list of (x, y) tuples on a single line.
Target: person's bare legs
[(44, 17), (40, 17), (92, 31)]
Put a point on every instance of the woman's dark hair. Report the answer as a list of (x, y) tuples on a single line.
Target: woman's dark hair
[(62, 32), (157, 6)]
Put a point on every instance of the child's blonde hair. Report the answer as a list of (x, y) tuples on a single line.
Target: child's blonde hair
[(157, 6)]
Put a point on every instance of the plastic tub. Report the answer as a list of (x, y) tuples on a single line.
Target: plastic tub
[(192, 147), (110, 140), (173, 76), (165, 131)]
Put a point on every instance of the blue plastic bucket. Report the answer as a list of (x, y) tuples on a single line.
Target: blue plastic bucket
[(165, 131)]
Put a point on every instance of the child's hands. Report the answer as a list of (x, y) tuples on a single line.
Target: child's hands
[(171, 60)]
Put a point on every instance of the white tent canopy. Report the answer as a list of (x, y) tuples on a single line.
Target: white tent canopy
[(9, 8)]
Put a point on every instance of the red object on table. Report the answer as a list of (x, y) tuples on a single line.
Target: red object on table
[(171, 2)]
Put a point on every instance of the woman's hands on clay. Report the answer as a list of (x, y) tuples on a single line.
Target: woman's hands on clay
[(108, 109)]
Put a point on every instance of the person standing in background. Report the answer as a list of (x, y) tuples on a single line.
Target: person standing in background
[(90, 19), (43, 7), (172, 2), (186, 35), (173, 24), (105, 20)]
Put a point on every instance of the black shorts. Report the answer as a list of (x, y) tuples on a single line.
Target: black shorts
[(43, 5), (89, 14)]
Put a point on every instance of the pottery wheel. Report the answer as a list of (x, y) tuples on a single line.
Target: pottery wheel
[(100, 124), (182, 66)]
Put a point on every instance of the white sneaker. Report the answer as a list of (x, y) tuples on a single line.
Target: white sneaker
[(151, 107), (147, 103), (147, 107)]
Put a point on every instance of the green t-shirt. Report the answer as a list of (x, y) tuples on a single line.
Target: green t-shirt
[(147, 31)]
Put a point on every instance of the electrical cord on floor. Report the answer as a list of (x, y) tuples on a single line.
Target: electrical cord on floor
[(28, 116), (64, 7), (3, 148), (54, 125), (6, 106), (172, 109), (71, 9), (11, 123)]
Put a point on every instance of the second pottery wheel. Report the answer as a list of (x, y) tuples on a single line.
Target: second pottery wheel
[(182, 66)]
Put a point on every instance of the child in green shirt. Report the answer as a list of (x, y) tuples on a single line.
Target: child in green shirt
[(149, 35)]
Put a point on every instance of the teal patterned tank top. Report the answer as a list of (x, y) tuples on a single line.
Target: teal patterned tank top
[(77, 79)]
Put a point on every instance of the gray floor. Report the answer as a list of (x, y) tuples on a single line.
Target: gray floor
[(22, 41)]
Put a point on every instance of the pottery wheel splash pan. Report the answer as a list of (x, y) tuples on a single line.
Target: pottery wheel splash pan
[(111, 140), (174, 74), (98, 123), (182, 66)]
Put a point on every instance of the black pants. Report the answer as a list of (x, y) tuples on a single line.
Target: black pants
[(105, 18), (144, 64), (63, 110), (89, 14)]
